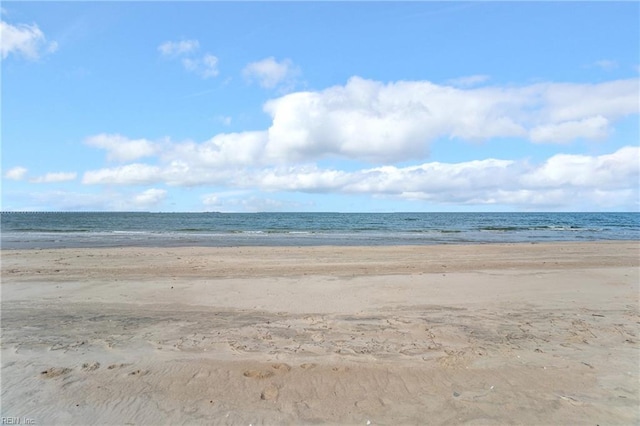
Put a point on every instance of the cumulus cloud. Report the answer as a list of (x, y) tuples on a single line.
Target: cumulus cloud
[(377, 122), (205, 66), (589, 128), (120, 148), (380, 123), (16, 173), (270, 73), (169, 48), (150, 198), (561, 181), (618, 170), (562, 102), (385, 123), (224, 149), (131, 174), (55, 177), (427, 179), (25, 40)]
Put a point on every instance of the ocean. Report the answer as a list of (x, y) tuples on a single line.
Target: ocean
[(31, 230)]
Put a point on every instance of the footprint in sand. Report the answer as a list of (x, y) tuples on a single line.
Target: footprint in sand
[(112, 366), (90, 367), (257, 374), (308, 366), (55, 372), (281, 367), (269, 393)]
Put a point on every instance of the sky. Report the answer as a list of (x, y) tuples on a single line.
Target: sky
[(320, 106)]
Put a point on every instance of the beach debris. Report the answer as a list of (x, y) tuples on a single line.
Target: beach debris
[(456, 394)]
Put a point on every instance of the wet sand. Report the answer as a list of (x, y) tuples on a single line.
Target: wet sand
[(464, 334)]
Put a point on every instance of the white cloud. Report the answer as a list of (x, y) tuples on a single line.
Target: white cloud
[(223, 198), (270, 73), (589, 128), (150, 198), (241, 201), (205, 66), (66, 201), (131, 174), (560, 181), (23, 39), (209, 66), (120, 148), (169, 48), (16, 173), (611, 171), (618, 170), (108, 200), (55, 177), (223, 150), (380, 123), (372, 121), (427, 179), (562, 102)]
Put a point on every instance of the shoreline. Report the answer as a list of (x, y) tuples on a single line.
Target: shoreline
[(248, 261), (295, 241), (456, 334)]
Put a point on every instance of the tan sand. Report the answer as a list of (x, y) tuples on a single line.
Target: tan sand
[(490, 334)]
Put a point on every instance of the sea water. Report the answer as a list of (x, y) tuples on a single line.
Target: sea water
[(101, 229)]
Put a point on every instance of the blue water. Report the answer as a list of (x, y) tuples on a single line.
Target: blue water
[(51, 230)]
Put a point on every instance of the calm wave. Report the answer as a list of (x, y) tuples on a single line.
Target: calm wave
[(47, 230)]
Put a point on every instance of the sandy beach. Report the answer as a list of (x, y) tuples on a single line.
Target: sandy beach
[(454, 334)]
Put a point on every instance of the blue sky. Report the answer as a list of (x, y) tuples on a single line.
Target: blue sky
[(336, 106)]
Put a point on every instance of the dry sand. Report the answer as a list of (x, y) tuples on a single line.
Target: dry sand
[(491, 334)]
